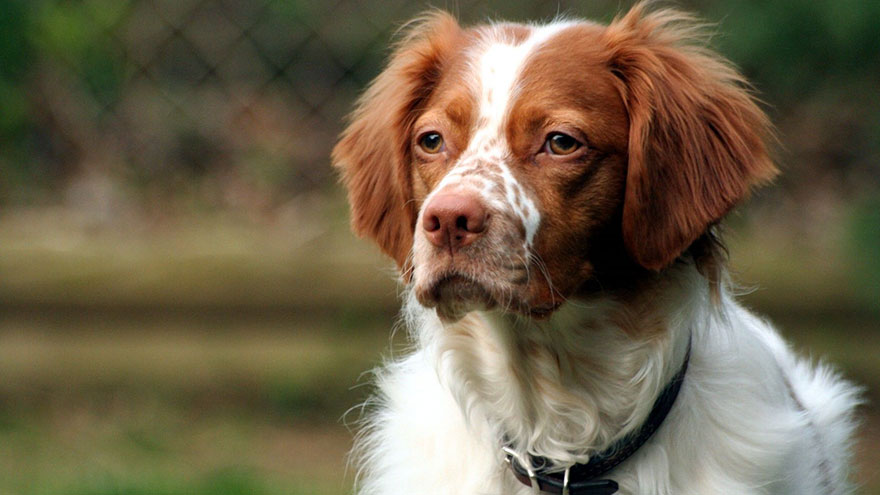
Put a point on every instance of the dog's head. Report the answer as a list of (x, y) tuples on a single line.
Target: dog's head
[(512, 165)]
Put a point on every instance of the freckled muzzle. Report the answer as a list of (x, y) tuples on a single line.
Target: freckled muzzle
[(472, 243)]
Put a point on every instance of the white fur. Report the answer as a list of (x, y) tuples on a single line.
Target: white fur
[(735, 428)]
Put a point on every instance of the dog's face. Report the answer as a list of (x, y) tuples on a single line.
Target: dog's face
[(514, 171), (508, 165)]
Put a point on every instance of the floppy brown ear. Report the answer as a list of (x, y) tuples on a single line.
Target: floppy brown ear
[(372, 153), (696, 138)]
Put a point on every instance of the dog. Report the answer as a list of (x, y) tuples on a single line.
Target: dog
[(551, 196)]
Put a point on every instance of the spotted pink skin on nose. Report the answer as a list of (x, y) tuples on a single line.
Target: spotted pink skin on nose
[(454, 220)]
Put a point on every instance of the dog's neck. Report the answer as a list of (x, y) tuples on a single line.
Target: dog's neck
[(570, 386)]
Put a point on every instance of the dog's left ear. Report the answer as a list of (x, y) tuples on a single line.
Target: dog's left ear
[(696, 137), (372, 154)]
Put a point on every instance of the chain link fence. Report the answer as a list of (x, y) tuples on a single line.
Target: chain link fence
[(237, 103)]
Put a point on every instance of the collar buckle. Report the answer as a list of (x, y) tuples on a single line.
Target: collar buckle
[(541, 483), (512, 457), (565, 480)]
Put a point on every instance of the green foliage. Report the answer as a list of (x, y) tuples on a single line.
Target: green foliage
[(224, 481), (78, 35), (15, 53), (865, 249), (48, 39), (793, 47), (314, 57)]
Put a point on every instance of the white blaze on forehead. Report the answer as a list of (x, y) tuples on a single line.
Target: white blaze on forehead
[(500, 66)]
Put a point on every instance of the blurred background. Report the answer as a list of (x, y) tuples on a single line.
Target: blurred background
[(182, 306)]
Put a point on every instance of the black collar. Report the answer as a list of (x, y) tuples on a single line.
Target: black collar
[(582, 479)]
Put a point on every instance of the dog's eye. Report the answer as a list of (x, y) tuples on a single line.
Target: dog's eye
[(431, 142), (561, 144)]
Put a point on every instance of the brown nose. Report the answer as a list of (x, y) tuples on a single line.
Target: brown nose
[(454, 220)]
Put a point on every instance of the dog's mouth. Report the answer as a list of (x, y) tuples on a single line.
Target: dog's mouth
[(454, 295)]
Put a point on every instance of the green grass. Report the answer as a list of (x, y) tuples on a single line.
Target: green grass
[(221, 357), (247, 408), (58, 259), (250, 407)]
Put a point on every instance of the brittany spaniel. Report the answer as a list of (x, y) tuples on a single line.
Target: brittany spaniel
[(550, 195)]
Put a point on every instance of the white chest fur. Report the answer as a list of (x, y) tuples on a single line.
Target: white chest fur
[(750, 417)]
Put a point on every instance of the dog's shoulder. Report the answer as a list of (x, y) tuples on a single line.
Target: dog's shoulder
[(764, 412), (417, 436)]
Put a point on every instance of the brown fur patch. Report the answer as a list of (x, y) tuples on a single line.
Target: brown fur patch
[(697, 137), (373, 152), (565, 87)]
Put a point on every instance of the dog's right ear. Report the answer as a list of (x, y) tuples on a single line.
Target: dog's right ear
[(372, 154), (697, 141)]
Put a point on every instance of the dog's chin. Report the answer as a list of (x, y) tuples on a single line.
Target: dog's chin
[(453, 296)]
